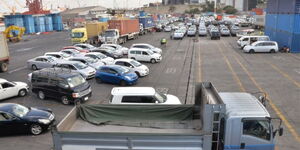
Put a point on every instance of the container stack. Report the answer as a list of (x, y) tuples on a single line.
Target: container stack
[(283, 23), (39, 22)]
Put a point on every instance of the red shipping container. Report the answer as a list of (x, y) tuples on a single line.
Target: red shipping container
[(124, 26)]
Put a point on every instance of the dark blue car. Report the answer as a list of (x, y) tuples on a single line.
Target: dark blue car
[(116, 74)]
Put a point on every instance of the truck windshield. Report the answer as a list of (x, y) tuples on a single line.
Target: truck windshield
[(110, 33), (77, 34), (160, 97), (257, 128), (75, 81)]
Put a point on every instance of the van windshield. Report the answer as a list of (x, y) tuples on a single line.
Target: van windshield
[(75, 81)]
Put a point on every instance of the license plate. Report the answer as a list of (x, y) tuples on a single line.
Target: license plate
[(86, 98)]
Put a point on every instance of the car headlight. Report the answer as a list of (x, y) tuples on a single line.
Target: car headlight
[(128, 78), (44, 121)]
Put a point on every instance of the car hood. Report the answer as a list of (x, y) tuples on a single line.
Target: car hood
[(143, 67), (21, 84), (88, 70), (130, 74), (108, 60), (156, 55), (171, 99), (36, 113)]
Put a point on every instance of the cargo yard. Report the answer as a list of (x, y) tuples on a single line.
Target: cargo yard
[(141, 80)]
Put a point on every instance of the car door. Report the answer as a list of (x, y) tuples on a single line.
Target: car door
[(11, 124), (139, 56), (245, 41), (3, 94), (259, 47), (45, 63), (114, 76), (39, 63), (146, 56), (9, 89)]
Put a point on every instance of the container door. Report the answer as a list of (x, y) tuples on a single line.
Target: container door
[(256, 134)]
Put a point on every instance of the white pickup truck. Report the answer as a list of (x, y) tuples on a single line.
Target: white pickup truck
[(217, 121)]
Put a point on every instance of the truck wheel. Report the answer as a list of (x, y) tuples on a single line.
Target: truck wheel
[(3, 67)]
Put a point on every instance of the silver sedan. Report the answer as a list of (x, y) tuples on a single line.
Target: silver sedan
[(41, 62)]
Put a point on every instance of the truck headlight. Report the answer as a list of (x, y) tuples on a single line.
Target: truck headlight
[(44, 121), (75, 95)]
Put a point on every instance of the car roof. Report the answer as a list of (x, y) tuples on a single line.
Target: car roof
[(60, 72), (138, 49), (6, 107), (124, 59), (133, 91), (2, 80), (140, 44), (67, 62), (54, 53)]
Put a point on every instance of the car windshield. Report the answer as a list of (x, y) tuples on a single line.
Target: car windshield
[(80, 65), (91, 61), (20, 110), (65, 55), (160, 97), (122, 70), (77, 34), (75, 81), (135, 63), (110, 33), (101, 56), (51, 59)]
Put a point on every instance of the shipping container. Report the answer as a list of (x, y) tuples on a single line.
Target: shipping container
[(283, 6), (29, 24), (142, 13), (147, 22), (284, 22), (125, 26), (16, 20), (95, 28), (48, 23), (58, 26), (271, 21)]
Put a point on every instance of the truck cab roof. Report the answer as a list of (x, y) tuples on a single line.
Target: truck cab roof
[(243, 105)]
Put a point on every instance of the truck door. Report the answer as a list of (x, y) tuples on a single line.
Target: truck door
[(256, 134)]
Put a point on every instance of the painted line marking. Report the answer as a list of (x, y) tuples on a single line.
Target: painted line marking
[(235, 76), (200, 65), (297, 71), (171, 70), (25, 49), (273, 106), (18, 69)]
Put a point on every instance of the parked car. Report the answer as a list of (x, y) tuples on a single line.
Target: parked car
[(86, 71), (77, 48), (58, 55), (168, 29), (116, 74), (140, 69), (41, 62), (72, 52), (234, 30), (141, 96), (191, 32), (178, 34), (147, 46), (97, 55), (94, 63), (16, 118), (144, 55), (225, 32), (248, 40), (109, 51), (63, 84), (215, 36), (85, 46), (202, 31), (262, 46), (117, 47), (10, 89)]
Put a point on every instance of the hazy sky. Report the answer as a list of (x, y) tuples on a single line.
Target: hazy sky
[(77, 3)]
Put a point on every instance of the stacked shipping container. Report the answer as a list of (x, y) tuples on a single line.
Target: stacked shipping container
[(283, 23)]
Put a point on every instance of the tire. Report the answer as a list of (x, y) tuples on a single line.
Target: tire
[(132, 58), (138, 74), (65, 100), (41, 95), (3, 67), (153, 61), (22, 93), (36, 129), (123, 83), (251, 51), (34, 67), (272, 51), (98, 80)]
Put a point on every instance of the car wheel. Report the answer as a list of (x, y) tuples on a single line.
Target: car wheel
[(153, 61), (138, 74), (123, 83), (272, 51), (251, 51), (41, 95), (3, 67), (132, 58), (65, 100), (22, 93), (98, 80), (36, 129), (33, 67)]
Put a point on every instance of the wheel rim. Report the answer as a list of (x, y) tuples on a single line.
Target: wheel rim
[(36, 129), (22, 93), (41, 95), (152, 61), (65, 100)]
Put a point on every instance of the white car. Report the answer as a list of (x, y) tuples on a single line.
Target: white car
[(144, 55), (225, 32), (58, 55), (141, 96), (86, 71), (97, 55), (11, 89), (117, 47), (202, 31), (191, 32), (41, 62), (168, 29), (86, 46), (178, 34), (262, 46), (147, 46), (94, 63), (72, 52), (140, 69)]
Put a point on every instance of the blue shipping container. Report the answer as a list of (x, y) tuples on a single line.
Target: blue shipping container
[(271, 21), (29, 24), (16, 20), (283, 6), (142, 13), (147, 22), (56, 18), (48, 23), (58, 26), (284, 22)]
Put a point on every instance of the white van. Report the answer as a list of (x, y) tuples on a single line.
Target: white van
[(141, 96), (248, 40), (144, 55)]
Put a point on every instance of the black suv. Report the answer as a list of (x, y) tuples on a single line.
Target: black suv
[(215, 35), (63, 84)]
